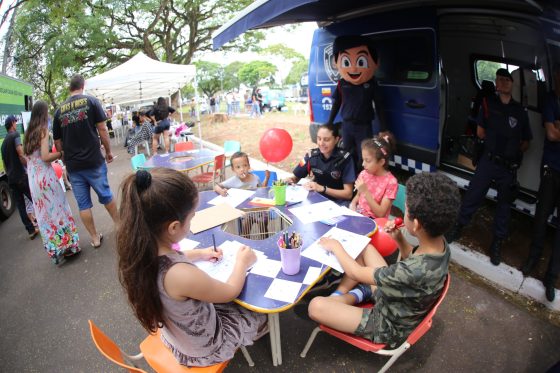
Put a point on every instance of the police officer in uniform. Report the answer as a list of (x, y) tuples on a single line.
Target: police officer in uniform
[(549, 192), (332, 168), (503, 125)]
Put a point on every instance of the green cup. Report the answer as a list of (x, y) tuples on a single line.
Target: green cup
[(279, 192)]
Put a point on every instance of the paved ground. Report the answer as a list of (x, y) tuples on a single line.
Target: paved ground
[(44, 311)]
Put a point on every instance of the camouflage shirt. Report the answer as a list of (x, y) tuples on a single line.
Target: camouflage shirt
[(405, 293)]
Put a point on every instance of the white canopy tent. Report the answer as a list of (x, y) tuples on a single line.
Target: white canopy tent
[(141, 79)]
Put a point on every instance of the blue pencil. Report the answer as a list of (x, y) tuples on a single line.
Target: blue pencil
[(214, 242)]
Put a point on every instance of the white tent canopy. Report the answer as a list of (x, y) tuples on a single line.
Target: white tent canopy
[(139, 79)]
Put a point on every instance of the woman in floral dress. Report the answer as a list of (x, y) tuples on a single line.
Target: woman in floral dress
[(56, 224)]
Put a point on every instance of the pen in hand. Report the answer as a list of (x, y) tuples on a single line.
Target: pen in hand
[(215, 250)]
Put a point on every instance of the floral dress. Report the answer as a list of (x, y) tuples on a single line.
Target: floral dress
[(53, 214)]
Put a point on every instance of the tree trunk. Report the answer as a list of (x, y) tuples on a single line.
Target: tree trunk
[(8, 42)]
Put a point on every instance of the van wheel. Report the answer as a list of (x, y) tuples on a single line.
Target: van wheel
[(7, 203)]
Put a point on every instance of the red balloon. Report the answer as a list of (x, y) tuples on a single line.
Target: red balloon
[(382, 240), (275, 145), (53, 149), (57, 169)]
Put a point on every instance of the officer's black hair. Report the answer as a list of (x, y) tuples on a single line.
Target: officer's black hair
[(381, 146), (238, 155), (342, 43), (433, 199), (333, 128)]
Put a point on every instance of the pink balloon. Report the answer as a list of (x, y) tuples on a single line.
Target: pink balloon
[(57, 169), (381, 240), (275, 145)]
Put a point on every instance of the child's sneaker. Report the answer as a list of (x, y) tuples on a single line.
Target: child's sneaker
[(331, 279), (362, 293)]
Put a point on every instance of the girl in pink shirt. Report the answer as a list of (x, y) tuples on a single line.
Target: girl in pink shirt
[(376, 186)]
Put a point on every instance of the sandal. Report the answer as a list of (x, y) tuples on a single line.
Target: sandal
[(100, 241)]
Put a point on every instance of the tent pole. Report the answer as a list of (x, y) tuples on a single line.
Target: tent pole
[(197, 112), (180, 106)]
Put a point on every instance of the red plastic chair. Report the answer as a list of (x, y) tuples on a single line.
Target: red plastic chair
[(184, 146), (379, 348), (217, 174)]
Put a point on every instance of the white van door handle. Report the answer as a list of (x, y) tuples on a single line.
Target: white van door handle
[(415, 105)]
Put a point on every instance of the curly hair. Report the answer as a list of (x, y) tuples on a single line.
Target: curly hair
[(381, 146), (149, 202), (37, 128), (434, 200)]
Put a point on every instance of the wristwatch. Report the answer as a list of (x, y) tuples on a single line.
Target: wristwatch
[(324, 189)]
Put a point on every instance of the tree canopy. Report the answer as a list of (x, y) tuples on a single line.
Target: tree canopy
[(253, 73)]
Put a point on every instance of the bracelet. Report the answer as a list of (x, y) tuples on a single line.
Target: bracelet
[(324, 189)]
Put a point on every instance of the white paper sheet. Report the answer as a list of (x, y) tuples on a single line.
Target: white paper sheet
[(234, 198), (296, 193), (311, 275), (222, 269), (186, 244), (283, 290), (317, 211), (266, 267), (353, 244), (346, 211)]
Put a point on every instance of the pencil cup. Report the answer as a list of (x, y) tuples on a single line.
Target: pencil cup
[(279, 194), (290, 260)]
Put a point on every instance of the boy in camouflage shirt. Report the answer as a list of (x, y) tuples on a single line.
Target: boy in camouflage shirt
[(404, 292)]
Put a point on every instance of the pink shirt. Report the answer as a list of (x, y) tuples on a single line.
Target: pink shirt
[(380, 187)]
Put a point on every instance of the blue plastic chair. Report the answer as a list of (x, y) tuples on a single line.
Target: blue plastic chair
[(137, 161), (230, 147), (400, 200), (273, 176)]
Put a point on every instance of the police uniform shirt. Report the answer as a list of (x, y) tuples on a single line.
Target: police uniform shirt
[(506, 126), (357, 101), (333, 172), (551, 149)]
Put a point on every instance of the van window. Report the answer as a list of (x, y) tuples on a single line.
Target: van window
[(405, 56)]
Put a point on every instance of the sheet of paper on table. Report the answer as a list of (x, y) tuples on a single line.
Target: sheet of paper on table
[(352, 243), (346, 211), (283, 290), (222, 269), (213, 216), (317, 211), (266, 267), (296, 193), (234, 198), (186, 244)]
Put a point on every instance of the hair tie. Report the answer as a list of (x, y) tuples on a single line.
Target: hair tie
[(143, 180), (380, 146), (386, 138)]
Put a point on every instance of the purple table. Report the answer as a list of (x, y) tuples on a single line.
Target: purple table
[(182, 161), (252, 295)]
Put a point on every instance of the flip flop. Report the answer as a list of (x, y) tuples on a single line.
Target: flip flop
[(100, 242)]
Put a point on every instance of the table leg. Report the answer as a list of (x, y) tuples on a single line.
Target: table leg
[(275, 343)]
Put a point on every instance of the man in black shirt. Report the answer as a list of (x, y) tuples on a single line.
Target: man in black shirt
[(78, 127), (14, 162)]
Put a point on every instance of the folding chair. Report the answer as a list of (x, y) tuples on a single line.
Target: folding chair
[(184, 146), (112, 352), (379, 348), (273, 176), (230, 147), (137, 161), (145, 144), (218, 172)]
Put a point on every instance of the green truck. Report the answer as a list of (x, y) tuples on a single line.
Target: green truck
[(15, 99)]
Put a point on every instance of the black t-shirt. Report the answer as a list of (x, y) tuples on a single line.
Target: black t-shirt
[(75, 124), (12, 164), (506, 126), (357, 101), (161, 113)]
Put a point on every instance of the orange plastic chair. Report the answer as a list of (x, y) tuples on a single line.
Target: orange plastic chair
[(217, 174), (161, 359), (184, 146), (111, 351), (379, 348)]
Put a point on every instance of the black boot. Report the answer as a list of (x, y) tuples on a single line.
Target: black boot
[(529, 265), (550, 291), (495, 249), (454, 233)]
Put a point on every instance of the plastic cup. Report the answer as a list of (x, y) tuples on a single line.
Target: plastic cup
[(279, 193), (290, 260)]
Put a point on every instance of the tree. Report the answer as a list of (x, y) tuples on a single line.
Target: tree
[(298, 69), (208, 75), (231, 76), (254, 72)]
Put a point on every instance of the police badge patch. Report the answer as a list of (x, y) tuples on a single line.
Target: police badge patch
[(335, 174), (512, 122)]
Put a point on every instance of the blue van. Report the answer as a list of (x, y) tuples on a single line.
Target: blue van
[(435, 57)]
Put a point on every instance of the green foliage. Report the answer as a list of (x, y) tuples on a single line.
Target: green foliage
[(283, 51), (208, 75), (298, 69), (231, 75), (486, 70), (255, 72)]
